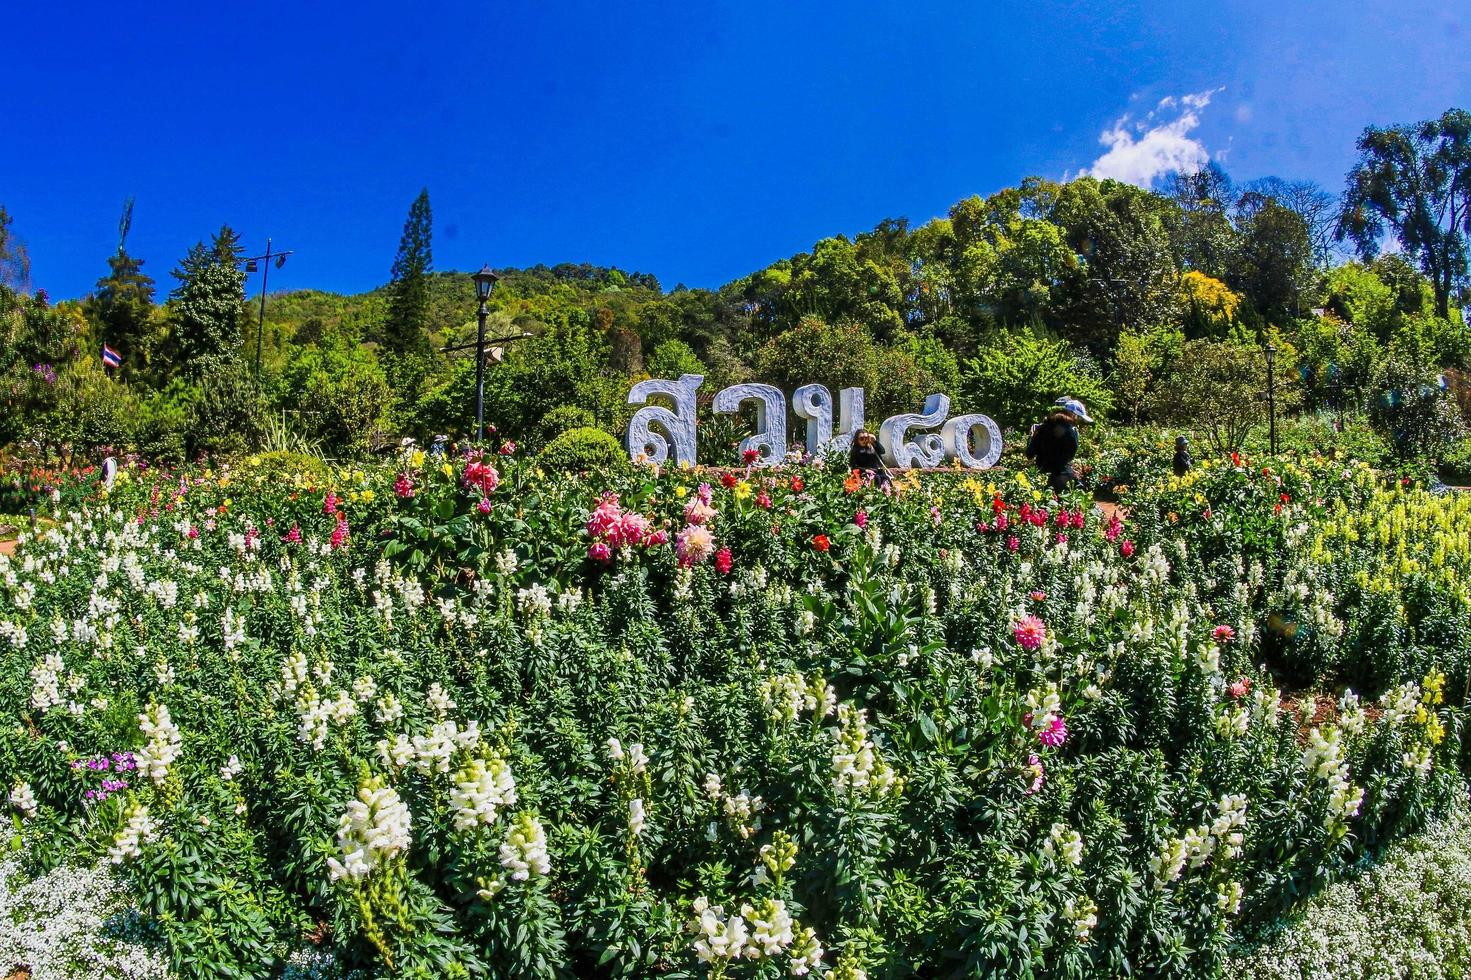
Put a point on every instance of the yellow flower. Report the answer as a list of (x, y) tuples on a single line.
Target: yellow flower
[(447, 470), (368, 496), (1022, 481), (742, 490), (681, 490), (416, 458)]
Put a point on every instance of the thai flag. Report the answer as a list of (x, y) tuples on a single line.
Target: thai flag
[(110, 357)]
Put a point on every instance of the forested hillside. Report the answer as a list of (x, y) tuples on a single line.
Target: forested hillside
[(1138, 301)]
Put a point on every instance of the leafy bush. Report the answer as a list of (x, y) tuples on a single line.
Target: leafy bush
[(582, 449), (563, 418), (1414, 411), (1018, 376)]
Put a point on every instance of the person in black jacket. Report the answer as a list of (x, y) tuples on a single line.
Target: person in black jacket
[(864, 456), (1054, 442), (1183, 462)]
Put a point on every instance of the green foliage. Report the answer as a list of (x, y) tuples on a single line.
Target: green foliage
[(122, 307), (562, 418), (1017, 377), (845, 355), (227, 412), (672, 358), (578, 450), (15, 262), (1216, 387), (405, 331), (206, 308), (335, 392), (1411, 407)]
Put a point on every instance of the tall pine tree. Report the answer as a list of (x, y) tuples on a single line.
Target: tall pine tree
[(122, 307), (207, 307), (406, 329)]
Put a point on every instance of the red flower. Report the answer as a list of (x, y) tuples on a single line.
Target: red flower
[(723, 561), (727, 480), (1127, 549), (797, 484), (749, 456), (821, 542)]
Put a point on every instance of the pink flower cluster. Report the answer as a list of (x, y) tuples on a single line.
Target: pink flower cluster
[(1037, 771), (1054, 734), (340, 533), (612, 527), (403, 487), (1029, 632), (480, 475), (700, 510)]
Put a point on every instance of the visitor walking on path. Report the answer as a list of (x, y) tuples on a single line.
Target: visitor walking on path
[(1053, 442), (864, 457)]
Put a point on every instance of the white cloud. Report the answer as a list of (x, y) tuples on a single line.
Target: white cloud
[(1139, 152)]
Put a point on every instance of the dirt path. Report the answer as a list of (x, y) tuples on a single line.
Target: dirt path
[(7, 547)]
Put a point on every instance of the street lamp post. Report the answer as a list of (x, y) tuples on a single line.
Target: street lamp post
[(1271, 353), (263, 262), (485, 281)]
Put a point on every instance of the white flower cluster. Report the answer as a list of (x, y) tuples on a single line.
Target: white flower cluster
[(1044, 705), (23, 799), (46, 683), (432, 752), (1323, 759), (482, 786), (1063, 845), (635, 758), (524, 852), (742, 809), (534, 600), (857, 766), (763, 931), (372, 830), (162, 743), (128, 845), (1222, 837), (1082, 915), (786, 696), (1400, 704)]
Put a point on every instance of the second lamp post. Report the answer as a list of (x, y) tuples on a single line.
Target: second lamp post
[(485, 281)]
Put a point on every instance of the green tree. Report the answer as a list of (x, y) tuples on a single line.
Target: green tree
[(1412, 407), (1273, 262), (1415, 182), (338, 391), (1018, 376), (15, 262), (207, 307), (1126, 272), (122, 306), (1201, 228), (1216, 387), (673, 358), (406, 328)]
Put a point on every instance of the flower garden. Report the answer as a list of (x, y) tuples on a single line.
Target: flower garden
[(461, 717)]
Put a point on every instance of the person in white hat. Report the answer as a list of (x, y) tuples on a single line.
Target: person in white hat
[(1054, 442)]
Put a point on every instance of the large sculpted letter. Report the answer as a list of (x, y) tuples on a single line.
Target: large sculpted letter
[(770, 439), (815, 404), (850, 418), (929, 450), (646, 444), (956, 437)]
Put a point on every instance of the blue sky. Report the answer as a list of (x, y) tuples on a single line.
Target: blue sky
[(694, 140)]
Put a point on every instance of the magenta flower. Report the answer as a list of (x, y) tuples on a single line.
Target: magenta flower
[(1223, 634), (861, 519), (599, 551), (1054, 734), (1127, 549), (403, 487), (1037, 771), (1013, 543)]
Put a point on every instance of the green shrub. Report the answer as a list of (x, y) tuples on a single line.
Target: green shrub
[(1017, 377), (562, 419), (582, 449), (162, 433)]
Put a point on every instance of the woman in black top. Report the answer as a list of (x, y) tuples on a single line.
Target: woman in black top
[(864, 456), (1054, 442)]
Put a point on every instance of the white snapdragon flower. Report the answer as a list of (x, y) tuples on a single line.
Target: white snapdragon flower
[(372, 830), (524, 852), (231, 768), (482, 788), (441, 703), (23, 800), (1064, 844), (162, 742), (718, 937), (636, 817), (128, 845)]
